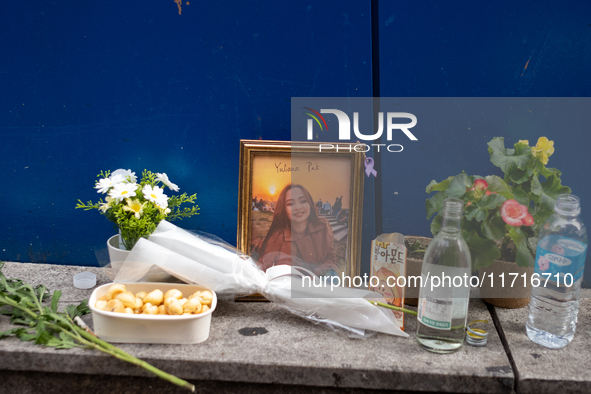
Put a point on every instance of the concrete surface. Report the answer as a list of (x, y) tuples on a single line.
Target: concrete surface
[(542, 370), (286, 354)]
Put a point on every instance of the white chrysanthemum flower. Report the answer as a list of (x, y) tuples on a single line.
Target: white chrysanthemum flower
[(164, 179), (135, 206), (125, 174), (154, 194), (106, 205), (162, 202), (123, 190), (103, 185)]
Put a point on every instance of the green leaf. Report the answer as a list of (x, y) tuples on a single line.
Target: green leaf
[(13, 331), (66, 342), (476, 213), (540, 215), (524, 256), (55, 299), (433, 186), (491, 201), (517, 164), (521, 196), (494, 228), (26, 336), (436, 224), (516, 235), (479, 210), (546, 172), (434, 204), (551, 189), (483, 252), (80, 310), (458, 186), (497, 185)]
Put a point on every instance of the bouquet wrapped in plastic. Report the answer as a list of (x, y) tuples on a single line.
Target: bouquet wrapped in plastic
[(192, 258)]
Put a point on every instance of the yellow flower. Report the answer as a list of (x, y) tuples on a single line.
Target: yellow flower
[(543, 149), (134, 205), (106, 205), (526, 142)]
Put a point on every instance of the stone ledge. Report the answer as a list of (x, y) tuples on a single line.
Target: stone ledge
[(293, 353), (542, 370)]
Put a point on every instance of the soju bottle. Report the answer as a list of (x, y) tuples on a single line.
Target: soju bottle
[(445, 290)]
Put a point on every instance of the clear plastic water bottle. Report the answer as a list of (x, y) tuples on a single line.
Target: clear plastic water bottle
[(445, 290), (560, 260)]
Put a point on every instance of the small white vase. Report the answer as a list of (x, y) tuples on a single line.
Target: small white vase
[(117, 252)]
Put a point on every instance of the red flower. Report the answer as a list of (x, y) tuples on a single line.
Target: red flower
[(516, 214), (528, 220), (480, 185)]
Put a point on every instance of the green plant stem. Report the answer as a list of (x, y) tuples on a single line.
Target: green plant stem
[(377, 303), (93, 342)]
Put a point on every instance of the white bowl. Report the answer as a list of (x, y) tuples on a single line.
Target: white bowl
[(127, 328)]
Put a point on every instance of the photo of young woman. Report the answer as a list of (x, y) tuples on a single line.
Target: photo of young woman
[(298, 236)]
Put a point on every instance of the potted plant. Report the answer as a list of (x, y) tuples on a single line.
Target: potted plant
[(503, 216), (137, 208)]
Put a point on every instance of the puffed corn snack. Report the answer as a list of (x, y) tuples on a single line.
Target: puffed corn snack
[(119, 299)]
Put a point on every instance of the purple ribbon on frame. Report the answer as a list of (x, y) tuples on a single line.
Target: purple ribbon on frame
[(369, 167)]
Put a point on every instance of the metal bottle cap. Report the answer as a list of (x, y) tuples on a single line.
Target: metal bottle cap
[(476, 336)]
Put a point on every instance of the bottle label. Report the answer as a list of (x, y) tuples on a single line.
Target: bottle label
[(558, 255), (435, 313)]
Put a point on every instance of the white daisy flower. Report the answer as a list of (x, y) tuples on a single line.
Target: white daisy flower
[(123, 190), (103, 185), (127, 175), (164, 179), (134, 205), (162, 202), (153, 193)]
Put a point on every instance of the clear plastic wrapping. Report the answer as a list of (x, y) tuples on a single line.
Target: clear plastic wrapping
[(199, 259)]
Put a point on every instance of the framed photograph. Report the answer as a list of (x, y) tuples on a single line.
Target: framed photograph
[(301, 206)]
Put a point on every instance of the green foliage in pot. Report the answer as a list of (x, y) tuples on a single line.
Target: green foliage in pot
[(500, 210)]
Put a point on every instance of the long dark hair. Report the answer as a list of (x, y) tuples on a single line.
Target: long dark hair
[(281, 220)]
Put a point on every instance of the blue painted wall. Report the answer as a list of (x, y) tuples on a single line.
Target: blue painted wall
[(468, 49), (94, 86)]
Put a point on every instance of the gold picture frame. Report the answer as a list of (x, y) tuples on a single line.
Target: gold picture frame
[(268, 167)]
